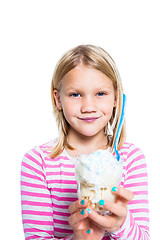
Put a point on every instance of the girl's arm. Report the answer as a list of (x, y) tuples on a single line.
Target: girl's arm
[(136, 224), (37, 212)]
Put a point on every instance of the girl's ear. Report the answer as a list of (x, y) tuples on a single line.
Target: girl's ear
[(115, 97), (115, 101), (57, 99)]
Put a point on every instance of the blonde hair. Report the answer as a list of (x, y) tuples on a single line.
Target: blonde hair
[(97, 58)]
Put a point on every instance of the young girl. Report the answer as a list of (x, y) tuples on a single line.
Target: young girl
[(87, 101)]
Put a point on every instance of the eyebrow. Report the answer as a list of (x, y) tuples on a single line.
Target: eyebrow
[(97, 88)]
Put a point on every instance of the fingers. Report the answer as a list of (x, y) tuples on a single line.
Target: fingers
[(78, 220), (123, 193), (109, 222), (79, 212), (103, 222), (77, 205), (116, 209), (84, 234)]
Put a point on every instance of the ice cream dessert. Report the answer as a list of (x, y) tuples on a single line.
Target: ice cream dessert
[(96, 174)]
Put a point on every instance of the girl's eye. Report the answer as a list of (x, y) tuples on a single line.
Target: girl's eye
[(101, 94), (75, 95)]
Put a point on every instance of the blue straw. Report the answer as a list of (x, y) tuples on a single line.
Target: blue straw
[(120, 128)]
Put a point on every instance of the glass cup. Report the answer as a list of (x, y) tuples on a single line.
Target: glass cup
[(94, 183)]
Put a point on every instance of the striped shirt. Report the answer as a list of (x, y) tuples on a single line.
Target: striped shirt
[(48, 187)]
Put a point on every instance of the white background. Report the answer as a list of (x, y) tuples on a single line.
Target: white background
[(34, 35)]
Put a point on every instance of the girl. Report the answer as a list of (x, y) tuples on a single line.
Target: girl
[(87, 101)]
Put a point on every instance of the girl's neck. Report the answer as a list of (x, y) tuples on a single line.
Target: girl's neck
[(83, 144)]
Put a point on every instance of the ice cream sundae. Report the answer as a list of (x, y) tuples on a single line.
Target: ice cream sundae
[(96, 173)]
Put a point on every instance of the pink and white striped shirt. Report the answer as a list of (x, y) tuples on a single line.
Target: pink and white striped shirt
[(48, 187)]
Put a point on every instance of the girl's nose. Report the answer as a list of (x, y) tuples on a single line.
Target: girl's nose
[(88, 105)]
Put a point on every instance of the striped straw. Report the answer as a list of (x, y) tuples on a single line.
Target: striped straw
[(120, 128)]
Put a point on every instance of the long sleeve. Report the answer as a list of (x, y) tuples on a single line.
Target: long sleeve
[(136, 224), (37, 211)]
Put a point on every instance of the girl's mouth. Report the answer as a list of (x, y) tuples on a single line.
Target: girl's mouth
[(89, 119)]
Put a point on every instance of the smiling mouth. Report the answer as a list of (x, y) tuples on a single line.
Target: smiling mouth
[(89, 119)]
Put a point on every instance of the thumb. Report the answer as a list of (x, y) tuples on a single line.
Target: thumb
[(84, 234), (89, 232)]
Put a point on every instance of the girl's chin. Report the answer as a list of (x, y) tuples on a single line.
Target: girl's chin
[(87, 131), (91, 133)]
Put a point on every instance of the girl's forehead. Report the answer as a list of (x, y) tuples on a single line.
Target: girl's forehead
[(83, 75)]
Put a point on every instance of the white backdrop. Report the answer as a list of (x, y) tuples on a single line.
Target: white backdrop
[(34, 35)]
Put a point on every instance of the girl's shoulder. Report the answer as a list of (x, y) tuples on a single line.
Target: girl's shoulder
[(36, 159), (132, 155), (129, 147), (47, 147), (40, 152), (131, 151)]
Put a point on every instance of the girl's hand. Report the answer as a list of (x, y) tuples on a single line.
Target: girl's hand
[(118, 209), (83, 227)]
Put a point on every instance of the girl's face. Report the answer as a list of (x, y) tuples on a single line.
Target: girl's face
[(87, 98)]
